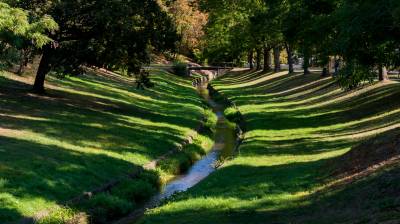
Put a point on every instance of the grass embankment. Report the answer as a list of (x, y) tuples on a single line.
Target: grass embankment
[(87, 131), (301, 161)]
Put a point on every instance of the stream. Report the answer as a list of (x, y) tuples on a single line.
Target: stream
[(224, 146)]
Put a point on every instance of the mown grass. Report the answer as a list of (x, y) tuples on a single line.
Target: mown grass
[(298, 126), (84, 132)]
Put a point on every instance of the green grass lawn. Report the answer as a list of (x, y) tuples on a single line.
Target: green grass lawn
[(300, 128), (83, 133)]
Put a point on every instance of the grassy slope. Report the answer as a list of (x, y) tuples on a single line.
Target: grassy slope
[(85, 132), (298, 128)]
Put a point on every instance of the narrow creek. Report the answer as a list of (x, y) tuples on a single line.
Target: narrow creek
[(224, 146)]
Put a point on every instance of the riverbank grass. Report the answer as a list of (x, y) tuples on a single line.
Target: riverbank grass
[(86, 131), (293, 165)]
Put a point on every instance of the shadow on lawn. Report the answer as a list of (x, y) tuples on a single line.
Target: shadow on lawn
[(294, 137), (105, 117), (78, 119), (47, 172), (371, 200), (374, 199)]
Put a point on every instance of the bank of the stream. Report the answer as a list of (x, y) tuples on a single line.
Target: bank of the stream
[(225, 135), (93, 133), (301, 161)]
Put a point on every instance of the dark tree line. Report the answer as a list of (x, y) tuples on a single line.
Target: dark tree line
[(363, 34), (103, 33)]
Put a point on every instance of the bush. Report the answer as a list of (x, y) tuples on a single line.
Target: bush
[(353, 75), (104, 208), (210, 120), (180, 69), (151, 177), (135, 190)]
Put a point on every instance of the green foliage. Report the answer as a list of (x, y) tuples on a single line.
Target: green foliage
[(20, 31), (354, 74), (143, 80), (210, 119), (104, 208), (16, 26), (136, 190), (180, 69), (151, 177)]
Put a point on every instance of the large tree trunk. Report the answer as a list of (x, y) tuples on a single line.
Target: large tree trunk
[(267, 59), (44, 68), (306, 64), (277, 60), (258, 59), (290, 58), (383, 74), (326, 70), (250, 59), (21, 62)]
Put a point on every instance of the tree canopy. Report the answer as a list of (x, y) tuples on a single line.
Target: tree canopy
[(361, 33)]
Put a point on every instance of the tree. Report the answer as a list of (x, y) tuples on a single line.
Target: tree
[(368, 36), (228, 34), (20, 30), (103, 33), (190, 23)]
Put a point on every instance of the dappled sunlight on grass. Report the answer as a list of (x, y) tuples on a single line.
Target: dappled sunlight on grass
[(296, 126), (85, 132)]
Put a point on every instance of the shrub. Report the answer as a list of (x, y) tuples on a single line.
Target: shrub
[(180, 69), (134, 190), (104, 208), (353, 75), (151, 177), (210, 120)]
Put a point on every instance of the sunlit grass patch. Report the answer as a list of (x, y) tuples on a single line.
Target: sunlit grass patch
[(298, 126), (86, 131)]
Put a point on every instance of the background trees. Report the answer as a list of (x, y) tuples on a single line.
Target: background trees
[(111, 34), (75, 33), (364, 35), (190, 23)]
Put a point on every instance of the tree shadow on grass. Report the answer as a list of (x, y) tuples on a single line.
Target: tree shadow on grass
[(296, 147), (70, 139), (87, 121), (370, 104), (374, 199), (250, 190), (49, 173)]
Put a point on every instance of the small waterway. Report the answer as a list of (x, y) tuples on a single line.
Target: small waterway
[(224, 146)]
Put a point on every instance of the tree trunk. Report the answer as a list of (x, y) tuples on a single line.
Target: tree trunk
[(290, 58), (267, 59), (21, 63), (277, 61), (258, 59), (325, 72), (383, 74), (306, 64), (250, 59), (44, 68)]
